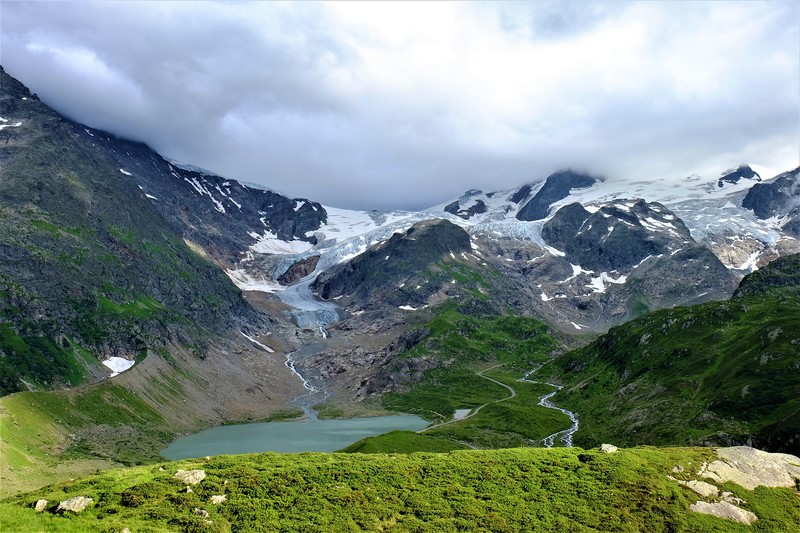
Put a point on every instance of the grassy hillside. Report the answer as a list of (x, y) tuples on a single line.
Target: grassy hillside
[(717, 373), (502, 490), (465, 362)]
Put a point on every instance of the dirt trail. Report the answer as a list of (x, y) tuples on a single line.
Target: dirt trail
[(477, 409)]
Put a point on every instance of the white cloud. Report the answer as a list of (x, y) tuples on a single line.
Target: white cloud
[(404, 104)]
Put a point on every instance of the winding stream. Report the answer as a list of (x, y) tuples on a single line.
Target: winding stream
[(565, 436)]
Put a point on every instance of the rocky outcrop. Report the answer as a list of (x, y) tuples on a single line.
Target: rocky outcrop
[(753, 468), (299, 270), (521, 194), (619, 235), (557, 187), (733, 176), (777, 197), (475, 208), (389, 265)]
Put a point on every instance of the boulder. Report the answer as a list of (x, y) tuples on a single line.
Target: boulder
[(40, 505), (191, 477), (75, 505), (218, 499), (608, 448), (202, 513)]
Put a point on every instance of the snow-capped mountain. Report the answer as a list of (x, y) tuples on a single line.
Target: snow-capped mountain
[(579, 249), (582, 239)]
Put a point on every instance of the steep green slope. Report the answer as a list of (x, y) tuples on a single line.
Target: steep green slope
[(502, 490), (717, 373), (88, 268)]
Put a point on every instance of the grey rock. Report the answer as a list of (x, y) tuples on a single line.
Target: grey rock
[(40, 505), (202, 513), (776, 197)]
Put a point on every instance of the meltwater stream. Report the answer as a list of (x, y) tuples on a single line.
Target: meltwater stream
[(565, 435)]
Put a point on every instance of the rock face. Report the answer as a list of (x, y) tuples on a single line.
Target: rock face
[(390, 265), (299, 270), (556, 188), (617, 236), (780, 196), (221, 215), (753, 468), (191, 477), (724, 510), (74, 505)]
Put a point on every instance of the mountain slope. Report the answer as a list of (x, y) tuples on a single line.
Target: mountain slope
[(87, 261), (720, 372)]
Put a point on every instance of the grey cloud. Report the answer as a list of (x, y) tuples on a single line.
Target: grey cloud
[(293, 97)]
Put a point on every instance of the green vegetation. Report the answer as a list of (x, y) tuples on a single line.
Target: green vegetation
[(718, 372), (499, 490), (43, 432), (41, 359), (475, 362), (403, 442)]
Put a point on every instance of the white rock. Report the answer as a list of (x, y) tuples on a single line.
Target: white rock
[(702, 488), (40, 505), (76, 504), (216, 500), (752, 468), (724, 510), (608, 448), (191, 477)]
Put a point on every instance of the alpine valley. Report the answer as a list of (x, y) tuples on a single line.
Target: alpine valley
[(144, 299)]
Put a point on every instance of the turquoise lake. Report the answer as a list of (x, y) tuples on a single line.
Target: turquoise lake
[(287, 437)]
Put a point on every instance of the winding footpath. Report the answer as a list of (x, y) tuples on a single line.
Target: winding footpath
[(475, 411)]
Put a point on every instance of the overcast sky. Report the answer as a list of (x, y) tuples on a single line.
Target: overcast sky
[(403, 105)]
